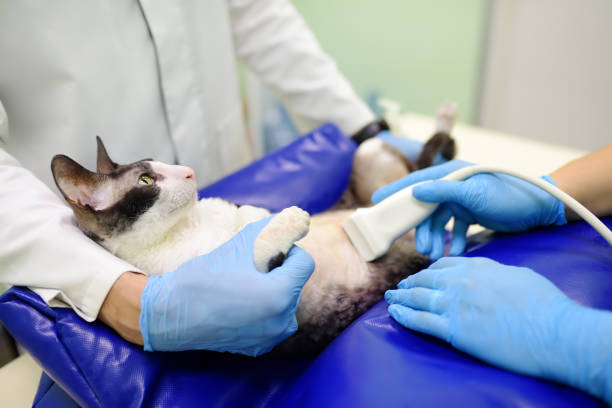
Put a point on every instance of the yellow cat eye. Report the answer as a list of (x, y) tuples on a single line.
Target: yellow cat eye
[(145, 180)]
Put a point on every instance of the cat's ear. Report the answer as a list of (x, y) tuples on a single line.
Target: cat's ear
[(80, 187), (104, 164)]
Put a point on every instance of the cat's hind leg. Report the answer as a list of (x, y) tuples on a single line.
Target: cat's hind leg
[(375, 164), (441, 141), (446, 117), (275, 240)]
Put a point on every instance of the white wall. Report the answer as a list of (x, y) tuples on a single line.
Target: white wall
[(548, 71)]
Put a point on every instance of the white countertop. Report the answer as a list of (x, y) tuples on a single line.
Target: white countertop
[(484, 146)]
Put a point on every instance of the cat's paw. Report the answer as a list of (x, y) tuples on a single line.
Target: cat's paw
[(275, 240), (446, 117)]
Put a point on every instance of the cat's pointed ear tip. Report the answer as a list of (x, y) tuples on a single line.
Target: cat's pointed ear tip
[(57, 160), (62, 165), (100, 143), (104, 163), (61, 157)]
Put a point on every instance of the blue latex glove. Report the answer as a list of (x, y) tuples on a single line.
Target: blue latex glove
[(510, 317), (220, 302), (410, 148), (495, 201)]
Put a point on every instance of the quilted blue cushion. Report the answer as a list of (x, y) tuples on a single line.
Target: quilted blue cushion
[(374, 362), (377, 362), (311, 172), (97, 368)]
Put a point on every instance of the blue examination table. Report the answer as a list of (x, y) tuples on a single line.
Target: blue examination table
[(373, 363)]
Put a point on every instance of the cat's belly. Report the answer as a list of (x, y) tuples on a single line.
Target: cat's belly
[(338, 265), (343, 286)]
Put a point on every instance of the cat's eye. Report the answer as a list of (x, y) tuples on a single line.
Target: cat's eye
[(145, 180)]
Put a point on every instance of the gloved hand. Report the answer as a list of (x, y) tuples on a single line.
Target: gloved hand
[(510, 317), (220, 302), (495, 201), (410, 148)]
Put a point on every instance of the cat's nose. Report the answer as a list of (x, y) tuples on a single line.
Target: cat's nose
[(189, 173)]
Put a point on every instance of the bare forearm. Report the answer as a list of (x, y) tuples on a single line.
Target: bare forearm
[(588, 179), (121, 308)]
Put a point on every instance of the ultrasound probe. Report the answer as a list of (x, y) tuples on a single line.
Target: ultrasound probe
[(373, 230)]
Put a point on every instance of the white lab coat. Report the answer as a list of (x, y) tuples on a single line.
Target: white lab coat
[(153, 78)]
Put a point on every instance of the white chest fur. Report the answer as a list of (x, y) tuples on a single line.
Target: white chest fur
[(156, 245)]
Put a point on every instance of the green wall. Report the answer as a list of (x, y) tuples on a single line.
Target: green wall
[(417, 52)]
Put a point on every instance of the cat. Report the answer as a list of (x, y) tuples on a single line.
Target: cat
[(147, 213)]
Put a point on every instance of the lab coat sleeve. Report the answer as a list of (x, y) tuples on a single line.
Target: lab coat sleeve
[(41, 246), (274, 41)]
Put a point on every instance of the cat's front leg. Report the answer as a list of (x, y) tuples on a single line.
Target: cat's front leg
[(275, 240)]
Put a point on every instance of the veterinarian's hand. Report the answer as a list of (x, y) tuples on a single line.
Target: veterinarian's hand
[(510, 317), (220, 302), (495, 201), (410, 148)]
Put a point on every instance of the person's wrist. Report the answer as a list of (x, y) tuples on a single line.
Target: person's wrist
[(585, 355), (556, 213), (607, 385), (593, 370), (121, 308), (151, 290), (369, 131)]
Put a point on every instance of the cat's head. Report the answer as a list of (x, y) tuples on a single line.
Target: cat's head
[(116, 197)]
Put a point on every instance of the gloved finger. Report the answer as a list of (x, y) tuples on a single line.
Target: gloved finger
[(443, 264), (439, 219), (426, 300), (442, 191), (427, 278), (264, 348), (297, 267), (424, 322), (460, 228), (422, 239), (430, 173)]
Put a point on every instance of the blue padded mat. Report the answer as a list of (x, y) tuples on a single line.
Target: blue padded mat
[(97, 368), (374, 362), (311, 172), (377, 362)]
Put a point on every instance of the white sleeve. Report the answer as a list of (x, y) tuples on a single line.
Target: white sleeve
[(274, 41), (41, 246)]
